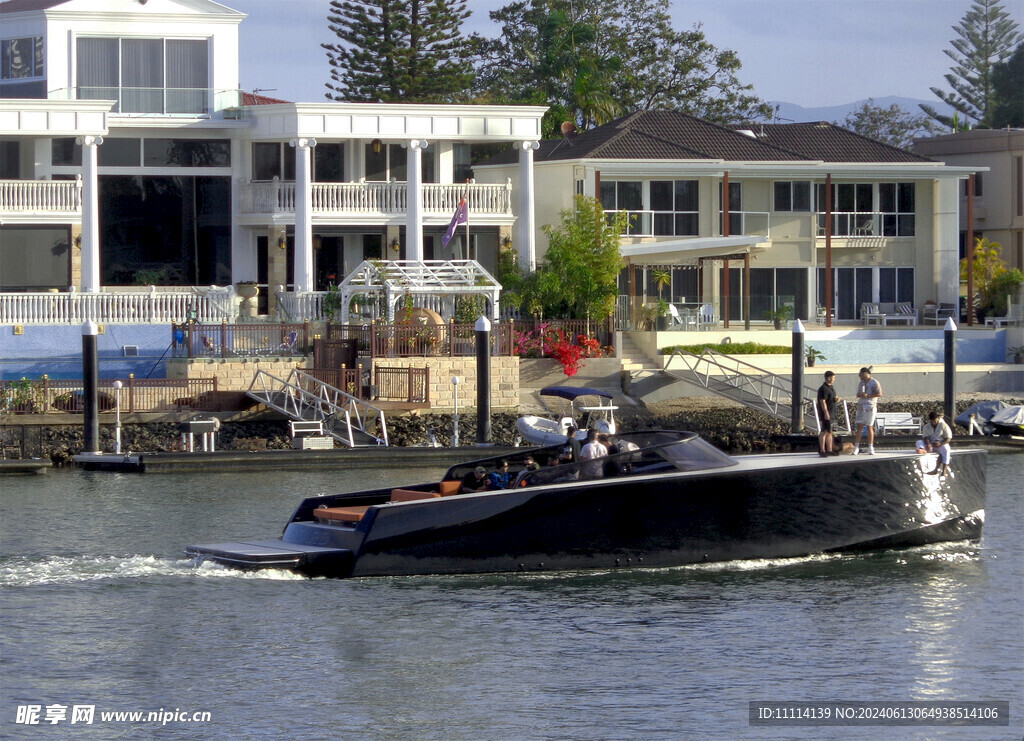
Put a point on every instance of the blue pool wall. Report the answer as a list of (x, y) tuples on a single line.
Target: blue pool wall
[(56, 351)]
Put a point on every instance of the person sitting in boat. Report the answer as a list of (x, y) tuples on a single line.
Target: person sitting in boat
[(591, 455), (476, 480), (500, 478), (936, 436)]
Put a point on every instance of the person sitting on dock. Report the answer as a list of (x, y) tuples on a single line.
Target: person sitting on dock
[(936, 437), (476, 480)]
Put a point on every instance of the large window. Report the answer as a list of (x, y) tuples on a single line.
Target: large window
[(163, 76), (855, 286), (21, 59), (866, 209), (896, 202), (131, 152), (675, 204), (792, 196), (671, 210)]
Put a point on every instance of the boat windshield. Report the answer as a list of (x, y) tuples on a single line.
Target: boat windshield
[(630, 454)]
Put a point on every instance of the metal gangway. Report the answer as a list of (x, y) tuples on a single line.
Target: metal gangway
[(754, 387), (302, 397)]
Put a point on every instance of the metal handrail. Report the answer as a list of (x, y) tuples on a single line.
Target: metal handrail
[(773, 393), (326, 403)]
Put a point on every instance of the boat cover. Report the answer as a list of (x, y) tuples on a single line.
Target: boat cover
[(982, 412), (1010, 419), (573, 392)]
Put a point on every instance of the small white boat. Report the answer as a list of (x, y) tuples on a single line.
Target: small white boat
[(585, 410)]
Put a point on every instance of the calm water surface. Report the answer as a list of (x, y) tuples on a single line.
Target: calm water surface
[(100, 608)]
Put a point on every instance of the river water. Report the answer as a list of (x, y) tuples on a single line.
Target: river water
[(100, 609)]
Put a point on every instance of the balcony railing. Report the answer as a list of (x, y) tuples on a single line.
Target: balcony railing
[(867, 224), (686, 223), (203, 304), (160, 101), (41, 197), (383, 199)]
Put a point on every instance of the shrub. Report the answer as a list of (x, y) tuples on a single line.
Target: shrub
[(738, 348)]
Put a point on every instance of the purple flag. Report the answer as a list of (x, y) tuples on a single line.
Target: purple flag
[(461, 217)]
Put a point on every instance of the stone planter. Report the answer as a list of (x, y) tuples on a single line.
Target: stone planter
[(248, 292)]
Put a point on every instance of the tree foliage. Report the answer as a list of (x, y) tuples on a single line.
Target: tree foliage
[(593, 60), (391, 51), (893, 125), (994, 282), (1008, 89), (578, 276), (987, 36)]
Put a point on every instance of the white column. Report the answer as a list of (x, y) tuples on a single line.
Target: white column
[(90, 214), (303, 214), (876, 284), (946, 241), (414, 200), (243, 242), (527, 242)]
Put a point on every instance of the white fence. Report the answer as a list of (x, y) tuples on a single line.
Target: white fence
[(376, 198), (200, 304), (41, 196)]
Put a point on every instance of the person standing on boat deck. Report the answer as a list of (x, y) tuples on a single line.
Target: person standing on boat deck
[(571, 451), (476, 480), (590, 454), (936, 436), (869, 391), (827, 401)]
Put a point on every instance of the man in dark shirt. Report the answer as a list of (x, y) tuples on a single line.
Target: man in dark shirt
[(476, 480), (827, 401)]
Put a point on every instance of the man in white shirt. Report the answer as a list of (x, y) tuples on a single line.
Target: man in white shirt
[(590, 454), (869, 391), (936, 436)]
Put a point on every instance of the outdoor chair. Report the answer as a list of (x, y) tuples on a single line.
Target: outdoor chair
[(706, 317), (1012, 316), (938, 314), (288, 343), (685, 318)]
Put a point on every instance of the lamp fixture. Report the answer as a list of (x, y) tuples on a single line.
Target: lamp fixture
[(317, 241), (506, 242), (282, 240), (376, 145), (395, 244), (78, 240)]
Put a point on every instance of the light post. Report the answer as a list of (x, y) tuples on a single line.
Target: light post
[(117, 410), (455, 415)]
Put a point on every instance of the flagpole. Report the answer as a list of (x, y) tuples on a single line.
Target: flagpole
[(466, 198)]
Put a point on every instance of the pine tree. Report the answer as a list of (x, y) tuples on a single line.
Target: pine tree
[(1008, 89), (988, 36), (393, 51)]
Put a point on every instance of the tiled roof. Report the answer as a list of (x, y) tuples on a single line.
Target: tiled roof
[(19, 6), (830, 143), (670, 135), (254, 99)]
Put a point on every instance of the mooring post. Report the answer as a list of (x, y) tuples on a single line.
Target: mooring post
[(90, 393), (483, 381), (949, 369), (797, 415)]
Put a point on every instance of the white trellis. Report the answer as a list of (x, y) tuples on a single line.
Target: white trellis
[(396, 279)]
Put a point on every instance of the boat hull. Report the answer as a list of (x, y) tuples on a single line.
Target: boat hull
[(768, 507)]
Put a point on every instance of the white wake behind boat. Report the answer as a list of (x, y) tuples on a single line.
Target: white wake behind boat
[(585, 410)]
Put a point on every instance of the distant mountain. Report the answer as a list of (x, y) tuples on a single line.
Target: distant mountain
[(788, 112)]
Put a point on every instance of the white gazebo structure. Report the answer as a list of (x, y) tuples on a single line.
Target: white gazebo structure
[(396, 279)]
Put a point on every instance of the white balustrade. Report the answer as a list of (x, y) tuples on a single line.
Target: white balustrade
[(40, 196), (377, 198), (213, 305), (298, 307)]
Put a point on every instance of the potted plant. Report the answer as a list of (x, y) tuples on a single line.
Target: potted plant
[(1017, 353), (661, 312), (813, 355), (779, 315)]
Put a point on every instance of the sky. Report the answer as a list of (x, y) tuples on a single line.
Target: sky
[(809, 52)]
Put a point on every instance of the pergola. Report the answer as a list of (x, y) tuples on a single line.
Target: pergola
[(397, 279), (695, 252)]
